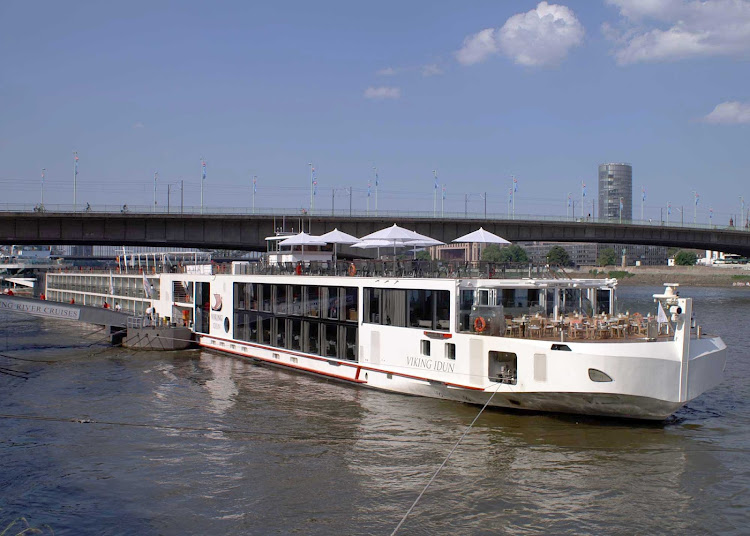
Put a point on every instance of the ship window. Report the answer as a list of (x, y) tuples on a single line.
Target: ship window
[(312, 302), (450, 350), (280, 302), (295, 300), (509, 298), (330, 297), (483, 297), (280, 332), (372, 305), (420, 309), (254, 289), (264, 334), (394, 308), (330, 344), (351, 296), (312, 337), (443, 310), (266, 298), (424, 347), (351, 343), (503, 367), (296, 334)]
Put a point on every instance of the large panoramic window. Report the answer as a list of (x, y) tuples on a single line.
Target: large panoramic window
[(417, 308)]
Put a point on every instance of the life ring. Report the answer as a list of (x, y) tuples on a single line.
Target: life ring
[(352, 271), (298, 269), (480, 324)]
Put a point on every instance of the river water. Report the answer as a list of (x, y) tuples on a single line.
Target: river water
[(200, 443)]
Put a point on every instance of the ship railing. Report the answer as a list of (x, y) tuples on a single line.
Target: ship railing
[(389, 268)]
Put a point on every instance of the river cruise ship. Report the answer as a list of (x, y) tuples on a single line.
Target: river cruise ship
[(527, 339)]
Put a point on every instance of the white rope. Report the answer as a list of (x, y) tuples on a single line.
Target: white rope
[(444, 462)]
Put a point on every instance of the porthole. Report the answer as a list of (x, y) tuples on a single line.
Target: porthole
[(598, 376), (226, 325)]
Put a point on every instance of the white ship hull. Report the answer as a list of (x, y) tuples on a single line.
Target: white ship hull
[(636, 377)]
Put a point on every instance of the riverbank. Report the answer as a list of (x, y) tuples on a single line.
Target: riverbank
[(693, 276)]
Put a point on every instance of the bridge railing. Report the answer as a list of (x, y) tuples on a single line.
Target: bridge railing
[(66, 209)]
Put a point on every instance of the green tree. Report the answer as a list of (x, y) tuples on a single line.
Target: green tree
[(423, 256), (513, 253), (491, 253), (607, 257), (685, 258), (559, 256)]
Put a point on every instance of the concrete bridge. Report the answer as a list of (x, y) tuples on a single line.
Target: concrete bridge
[(247, 232)]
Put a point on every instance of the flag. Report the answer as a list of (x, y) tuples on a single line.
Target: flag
[(376, 180), (697, 197), (315, 187), (203, 169), (661, 316), (510, 195), (515, 184), (643, 192), (436, 181), (583, 188), (443, 192), (255, 184), (710, 213), (76, 163), (570, 200), (369, 186), (146, 286), (669, 208), (621, 204)]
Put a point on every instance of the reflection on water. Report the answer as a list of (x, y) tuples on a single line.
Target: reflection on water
[(196, 443)]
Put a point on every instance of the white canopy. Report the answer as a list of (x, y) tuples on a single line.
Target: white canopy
[(424, 242), (372, 244), (394, 234), (303, 239), (480, 236), (338, 237)]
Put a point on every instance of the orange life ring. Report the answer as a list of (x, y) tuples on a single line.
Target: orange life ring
[(352, 270), (480, 324), (298, 269)]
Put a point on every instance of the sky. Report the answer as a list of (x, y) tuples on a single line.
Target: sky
[(477, 91)]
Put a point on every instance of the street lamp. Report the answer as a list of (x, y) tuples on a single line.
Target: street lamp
[(43, 170), (742, 210)]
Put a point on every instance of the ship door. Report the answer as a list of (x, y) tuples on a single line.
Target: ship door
[(202, 307)]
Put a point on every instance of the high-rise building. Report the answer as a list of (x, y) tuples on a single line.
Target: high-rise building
[(616, 188)]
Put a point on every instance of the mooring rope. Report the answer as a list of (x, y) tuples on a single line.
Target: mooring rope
[(434, 476)]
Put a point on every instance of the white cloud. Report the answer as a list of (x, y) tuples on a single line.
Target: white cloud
[(382, 92), (666, 30), (432, 69), (477, 47), (730, 113), (542, 36), (388, 71), (138, 124)]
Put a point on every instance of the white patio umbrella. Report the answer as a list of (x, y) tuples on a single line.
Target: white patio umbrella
[(337, 237), (303, 239), (395, 236), (422, 243), (480, 236)]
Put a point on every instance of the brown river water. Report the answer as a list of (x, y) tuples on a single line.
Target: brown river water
[(100, 440)]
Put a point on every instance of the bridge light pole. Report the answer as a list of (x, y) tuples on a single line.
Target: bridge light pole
[(742, 211), (695, 206), (75, 179), (42, 201), (156, 176)]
